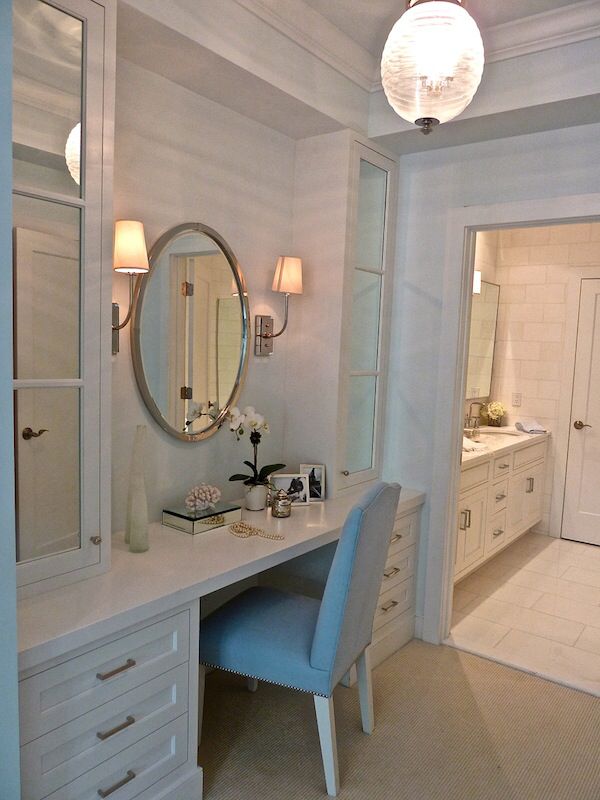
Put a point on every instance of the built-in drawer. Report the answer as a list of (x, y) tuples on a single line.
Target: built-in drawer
[(474, 476), (60, 694), (498, 497), (58, 757), (134, 769), (503, 465), (496, 534), (394, 602), (404, 533), (398, 567), (529, 454)]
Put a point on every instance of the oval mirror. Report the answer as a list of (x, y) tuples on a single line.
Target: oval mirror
[(190, 331)]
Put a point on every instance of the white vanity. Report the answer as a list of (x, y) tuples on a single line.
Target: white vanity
[(501, 493), (109, 665)]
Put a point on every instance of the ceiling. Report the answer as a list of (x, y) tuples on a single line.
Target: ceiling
[(368, 22)]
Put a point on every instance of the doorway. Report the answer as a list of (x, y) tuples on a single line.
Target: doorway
[(527, 590)]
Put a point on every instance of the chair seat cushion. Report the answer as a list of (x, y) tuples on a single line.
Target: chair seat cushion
[(267, 634)]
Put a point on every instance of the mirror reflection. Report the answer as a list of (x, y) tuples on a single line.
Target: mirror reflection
[(190, 332), (482, 340)]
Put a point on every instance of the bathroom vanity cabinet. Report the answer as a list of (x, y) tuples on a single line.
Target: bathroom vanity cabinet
[(501, 494)]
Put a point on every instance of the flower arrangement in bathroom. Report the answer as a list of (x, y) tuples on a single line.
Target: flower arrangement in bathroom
[(257, 482), (495, 411)]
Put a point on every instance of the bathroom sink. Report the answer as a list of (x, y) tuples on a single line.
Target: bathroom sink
[(488, 429)]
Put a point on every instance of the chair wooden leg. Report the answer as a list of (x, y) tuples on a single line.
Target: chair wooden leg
[(365, 691), (201, 682), (327, 737), (252, 684)]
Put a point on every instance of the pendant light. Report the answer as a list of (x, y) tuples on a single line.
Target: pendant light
[(432, 62)]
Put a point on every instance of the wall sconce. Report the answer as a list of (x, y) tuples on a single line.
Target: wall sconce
[(477, 282), (287, 279), (131, 257)]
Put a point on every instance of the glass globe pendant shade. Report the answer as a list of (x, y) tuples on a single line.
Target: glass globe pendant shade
[(73, 153), (432, 62)]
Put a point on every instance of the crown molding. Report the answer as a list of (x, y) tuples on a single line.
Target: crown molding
[(562, 26), (310, 30)]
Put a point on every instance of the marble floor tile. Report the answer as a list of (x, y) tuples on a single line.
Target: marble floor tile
[(569, 609), (589, 640)]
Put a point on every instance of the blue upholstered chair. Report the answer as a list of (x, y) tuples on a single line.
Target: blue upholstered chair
[(306, 644)]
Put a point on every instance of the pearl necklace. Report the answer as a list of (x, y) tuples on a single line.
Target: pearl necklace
[(243, 530)]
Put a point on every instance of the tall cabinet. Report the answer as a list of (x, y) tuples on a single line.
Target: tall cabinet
[(344, 219), (63, 97)]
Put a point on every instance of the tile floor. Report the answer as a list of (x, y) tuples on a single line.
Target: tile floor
[(535, 606)]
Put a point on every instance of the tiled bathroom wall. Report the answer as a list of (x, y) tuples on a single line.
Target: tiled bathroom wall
[(533, 268)]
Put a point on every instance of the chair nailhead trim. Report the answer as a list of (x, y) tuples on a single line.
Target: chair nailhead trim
[(265, 680)]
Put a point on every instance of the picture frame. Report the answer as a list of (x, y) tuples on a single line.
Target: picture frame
[(294, 484), (316, 481)]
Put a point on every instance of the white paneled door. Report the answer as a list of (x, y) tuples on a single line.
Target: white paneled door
[(581, 515)]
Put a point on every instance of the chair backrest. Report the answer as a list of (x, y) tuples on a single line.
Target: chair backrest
[(345, 621)]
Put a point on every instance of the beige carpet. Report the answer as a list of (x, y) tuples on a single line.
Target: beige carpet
[(449, 726)]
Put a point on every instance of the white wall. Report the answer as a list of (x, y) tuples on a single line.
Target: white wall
[(9, 719), (182, 158), (432, 186)]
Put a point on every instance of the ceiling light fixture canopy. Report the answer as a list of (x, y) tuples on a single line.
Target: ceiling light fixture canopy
[(432, 62)]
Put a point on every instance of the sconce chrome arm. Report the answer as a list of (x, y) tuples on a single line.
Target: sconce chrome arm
[(120, 325), (269, 335)]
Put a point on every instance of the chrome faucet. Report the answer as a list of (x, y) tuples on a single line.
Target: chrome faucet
[(472, 422)]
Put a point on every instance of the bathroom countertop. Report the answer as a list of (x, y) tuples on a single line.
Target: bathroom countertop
[(498, 443), (177, 569)]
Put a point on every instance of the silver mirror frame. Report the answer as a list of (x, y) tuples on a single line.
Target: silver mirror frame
[(136, 352)]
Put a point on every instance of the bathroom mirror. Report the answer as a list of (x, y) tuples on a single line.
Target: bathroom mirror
[(190, 331), (482, 340)]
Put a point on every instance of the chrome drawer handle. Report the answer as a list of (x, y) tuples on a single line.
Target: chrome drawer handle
[(391, 572), (503, 466), (498, 532), (388, 606), (102, 735), (500, 497), (396, 538), (530, 485), (127, 779), (104, 676)]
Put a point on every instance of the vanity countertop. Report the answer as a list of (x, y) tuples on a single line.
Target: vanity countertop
[(498, 443), (175, 570)]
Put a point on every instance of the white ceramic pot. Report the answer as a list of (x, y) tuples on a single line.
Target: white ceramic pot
[(256, 498)]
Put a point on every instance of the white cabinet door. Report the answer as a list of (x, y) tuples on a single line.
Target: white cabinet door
[(534, 494), (517, 486), (470, 543)]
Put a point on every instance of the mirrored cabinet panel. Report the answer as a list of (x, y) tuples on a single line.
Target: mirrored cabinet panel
[(59, 243)]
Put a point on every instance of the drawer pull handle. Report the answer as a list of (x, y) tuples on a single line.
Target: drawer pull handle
[(500, 497), (104, 676), (391, 572), (388, 606), (530, 485), (396, 538), (102, 735), (503, 466), (127, 779), (498, 532)]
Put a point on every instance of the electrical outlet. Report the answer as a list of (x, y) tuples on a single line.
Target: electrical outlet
[(517, 399)]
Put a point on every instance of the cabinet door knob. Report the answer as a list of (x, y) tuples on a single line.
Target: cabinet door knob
[(500, 497), (345, 473)]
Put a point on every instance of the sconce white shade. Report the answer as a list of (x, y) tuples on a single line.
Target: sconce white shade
[(432, 62), (477, 282), (130, 253), (288, 275), (73, 153)]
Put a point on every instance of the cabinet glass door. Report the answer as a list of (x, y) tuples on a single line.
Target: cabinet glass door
[(363, 373), (56, 280)]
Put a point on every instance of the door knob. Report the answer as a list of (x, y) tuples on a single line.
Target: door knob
[(579, 425), (29, 433)]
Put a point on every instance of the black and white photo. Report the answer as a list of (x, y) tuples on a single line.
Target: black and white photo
[(316, 481), (295, 485)]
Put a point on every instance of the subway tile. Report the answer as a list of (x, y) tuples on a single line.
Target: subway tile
[(549, 390), (555, 312), (543, 332), (520, 351), (549, 254), (595, 232), (546, 293), (584, 254), (511, 293), (551, 351), (526, 237), (544, 370), (542, 408), (530, 275), (513, 256), (525, 312), (574, 232), (558, 274), (528, 387)]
